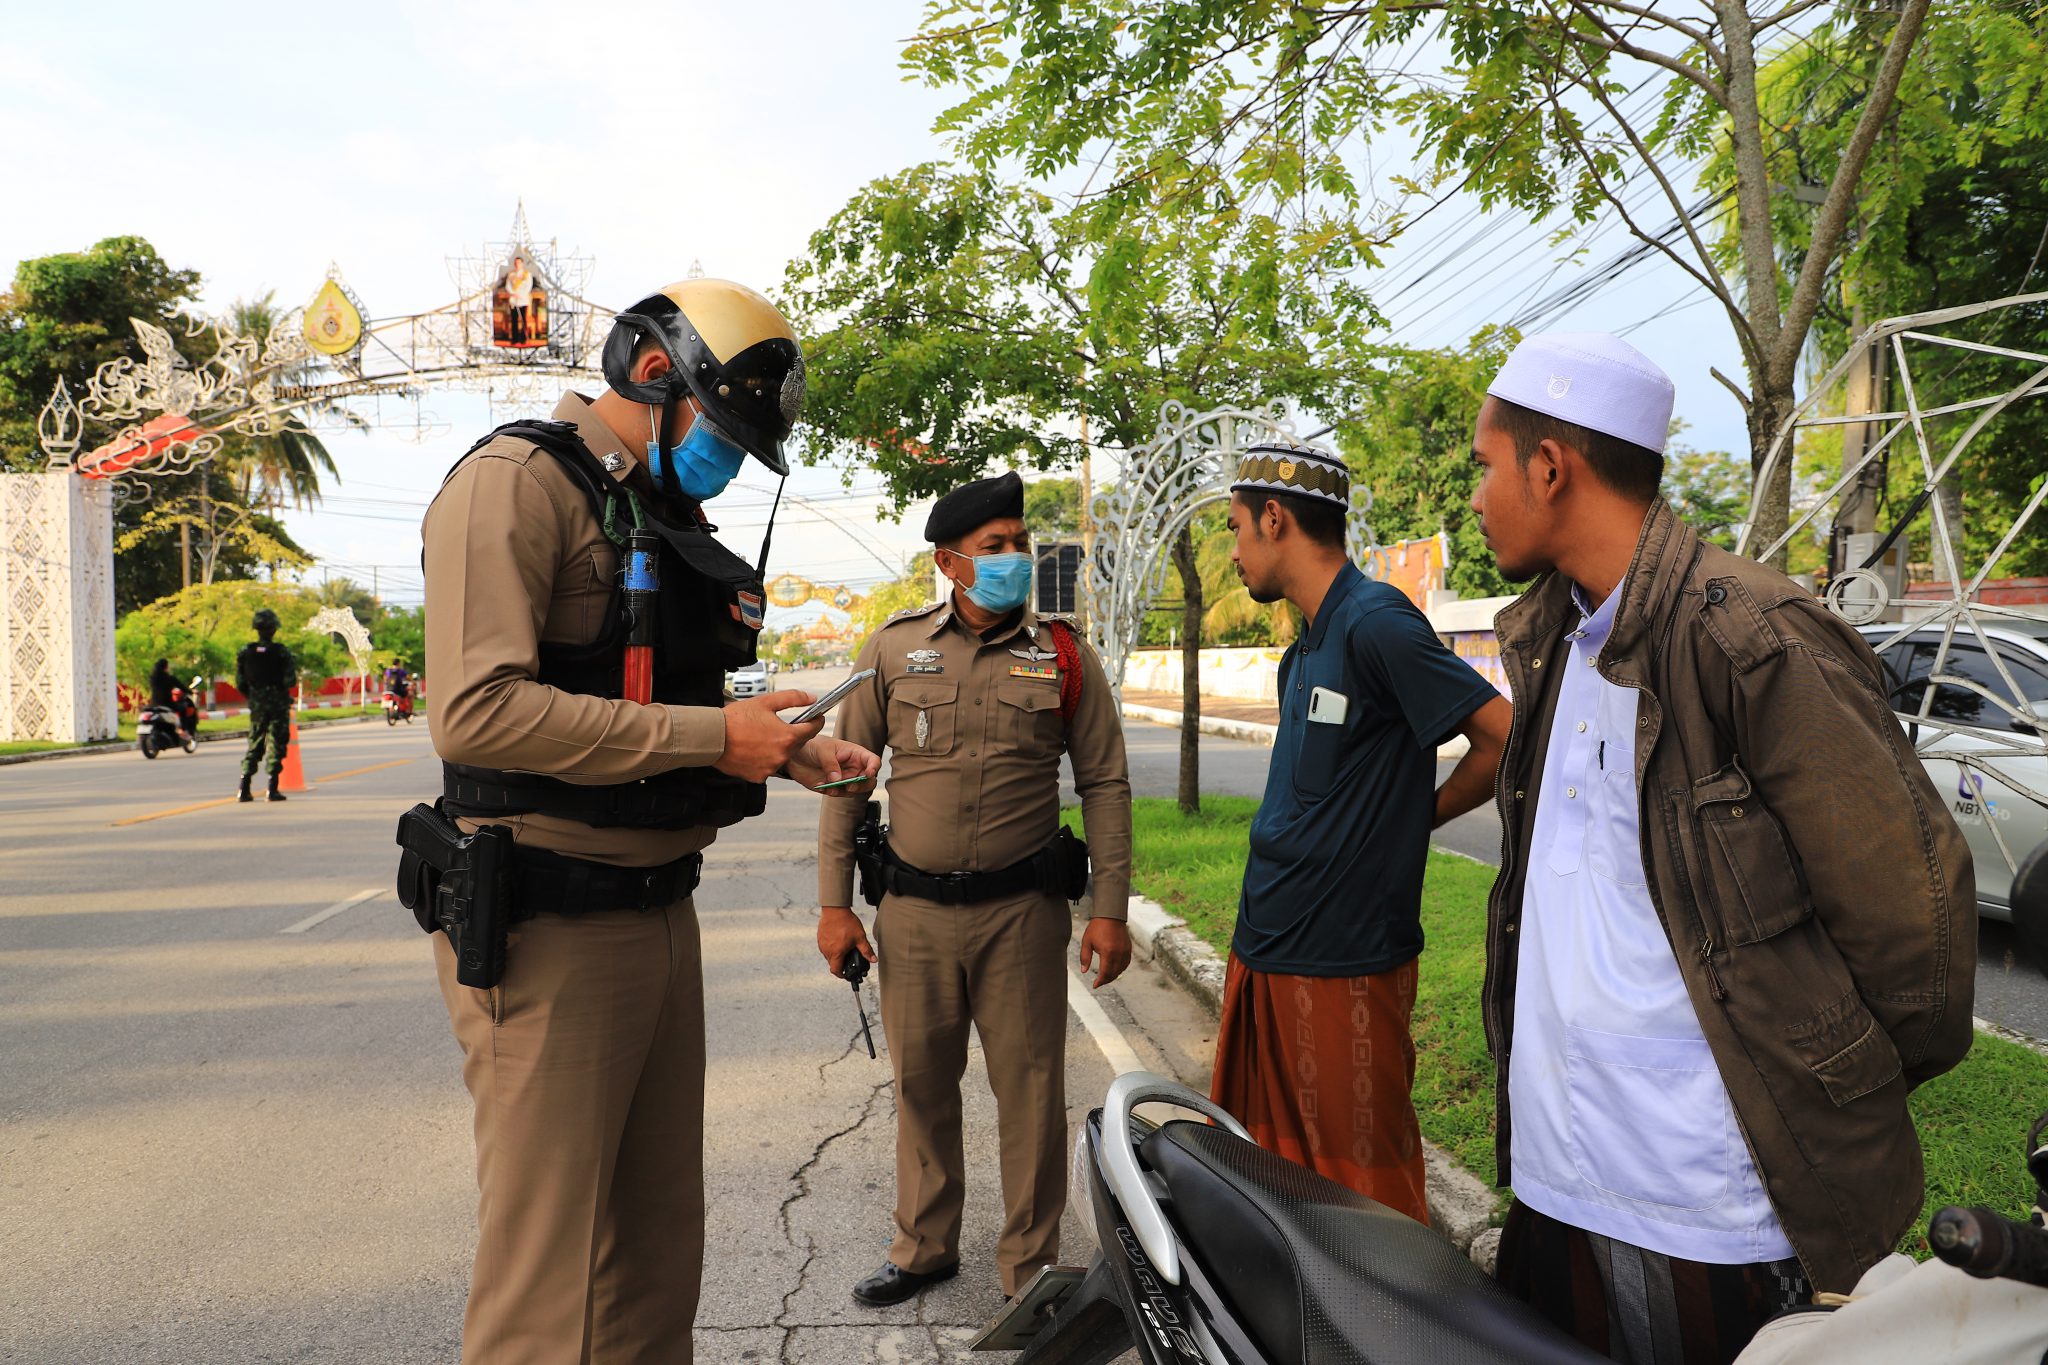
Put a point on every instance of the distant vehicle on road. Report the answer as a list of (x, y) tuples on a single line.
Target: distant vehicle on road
[(1988, 757), (751, 681)]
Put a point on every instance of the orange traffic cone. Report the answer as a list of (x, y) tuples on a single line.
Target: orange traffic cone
[(293, 778)]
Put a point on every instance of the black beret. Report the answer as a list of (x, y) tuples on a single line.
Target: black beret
[(975, 504)]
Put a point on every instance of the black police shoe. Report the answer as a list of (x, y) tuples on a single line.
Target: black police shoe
[(893, 1284)]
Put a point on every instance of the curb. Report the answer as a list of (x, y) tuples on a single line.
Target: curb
[(108, 746), (1461, 1206), (1257, 731)]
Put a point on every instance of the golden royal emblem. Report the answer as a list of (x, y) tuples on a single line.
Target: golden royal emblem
[(333, 326), (1287, 469)]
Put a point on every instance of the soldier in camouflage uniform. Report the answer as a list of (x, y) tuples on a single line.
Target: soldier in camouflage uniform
[(265, 673)]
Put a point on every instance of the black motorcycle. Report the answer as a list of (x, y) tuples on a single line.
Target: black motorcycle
[(1214, 1251), (163, 727)]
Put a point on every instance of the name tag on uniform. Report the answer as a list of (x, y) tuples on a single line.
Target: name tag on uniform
[(1326, 707), (1042, 672)]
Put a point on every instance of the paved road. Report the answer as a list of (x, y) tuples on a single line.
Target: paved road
[(224, 1141)]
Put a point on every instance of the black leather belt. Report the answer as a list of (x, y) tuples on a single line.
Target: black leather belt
[(551, 884), (964, 888)]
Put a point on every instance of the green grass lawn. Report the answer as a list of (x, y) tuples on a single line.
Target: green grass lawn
[(1973, 1121), (233, 725)]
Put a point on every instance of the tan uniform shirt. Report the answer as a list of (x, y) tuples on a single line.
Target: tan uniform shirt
[(975, 737), (515, 554)]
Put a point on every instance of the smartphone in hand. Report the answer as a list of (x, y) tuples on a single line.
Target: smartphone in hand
[(831, 699)]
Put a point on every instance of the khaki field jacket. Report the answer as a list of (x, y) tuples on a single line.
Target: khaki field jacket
[(1817, 895)]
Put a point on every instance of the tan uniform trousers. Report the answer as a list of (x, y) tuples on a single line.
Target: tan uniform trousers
[(1000, 967), (587, 1067)]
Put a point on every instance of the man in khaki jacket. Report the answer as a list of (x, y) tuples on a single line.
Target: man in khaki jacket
[(1734, 924), (586, 1060), (977, 698)]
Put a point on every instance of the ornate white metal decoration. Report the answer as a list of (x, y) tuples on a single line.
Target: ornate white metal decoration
[(2015, 752), (198, 385), (57, 672), (341, 621), (1187, 465)]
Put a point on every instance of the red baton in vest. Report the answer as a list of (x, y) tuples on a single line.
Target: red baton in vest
[(643, 586)]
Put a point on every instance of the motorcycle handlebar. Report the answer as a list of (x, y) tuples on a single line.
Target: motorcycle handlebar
[(1988, 1245)]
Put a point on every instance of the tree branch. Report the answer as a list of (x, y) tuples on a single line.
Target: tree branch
[(1833, 219), (1608, 39)]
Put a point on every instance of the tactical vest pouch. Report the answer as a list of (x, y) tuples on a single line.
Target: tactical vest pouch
[(461, 885), (712, 615)]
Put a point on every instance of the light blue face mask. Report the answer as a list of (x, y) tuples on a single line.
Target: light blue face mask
[(1001, 582), (699, 468)]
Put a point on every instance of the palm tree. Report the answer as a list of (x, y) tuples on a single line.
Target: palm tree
[(287, 463), (1232, 614)]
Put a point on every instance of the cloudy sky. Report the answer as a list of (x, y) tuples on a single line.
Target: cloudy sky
[(259, 142)]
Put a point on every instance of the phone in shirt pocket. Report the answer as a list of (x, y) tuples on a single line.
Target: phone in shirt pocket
[(1318, 754)]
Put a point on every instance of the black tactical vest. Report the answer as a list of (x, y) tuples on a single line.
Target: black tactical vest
[(710, 605), (262, 664)]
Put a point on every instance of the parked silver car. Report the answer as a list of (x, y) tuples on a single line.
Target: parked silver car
[(1987, 753)]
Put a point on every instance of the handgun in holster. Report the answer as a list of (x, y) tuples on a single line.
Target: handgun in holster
[(461, 885), (870, 844)]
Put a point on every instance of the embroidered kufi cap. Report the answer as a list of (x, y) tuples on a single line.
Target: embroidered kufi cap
[(1301, 470), (1593, 380)]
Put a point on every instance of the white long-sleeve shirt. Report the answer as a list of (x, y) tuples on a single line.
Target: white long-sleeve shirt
[(1622, 1123)]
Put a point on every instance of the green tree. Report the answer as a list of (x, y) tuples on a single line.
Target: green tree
[(203, 627), (400, 635), (68, 314), (287, 461), (913, 589), (1202, 106), (1052, 507), (1411, 443), (956, 321), (1953, 210)]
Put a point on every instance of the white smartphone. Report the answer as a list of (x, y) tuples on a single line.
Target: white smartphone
[(832, 698), (1326, 707)]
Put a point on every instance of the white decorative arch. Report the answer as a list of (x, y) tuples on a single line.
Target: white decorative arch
[(341, 621), (1187, 465)]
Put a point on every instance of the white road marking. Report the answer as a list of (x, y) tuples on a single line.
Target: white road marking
[(1108, 1037), (331, 911)]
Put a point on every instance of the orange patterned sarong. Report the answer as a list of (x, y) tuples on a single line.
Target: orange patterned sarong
[(1319, 1069)]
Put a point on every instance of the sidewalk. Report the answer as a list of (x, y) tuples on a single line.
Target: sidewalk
[(1255, 722)]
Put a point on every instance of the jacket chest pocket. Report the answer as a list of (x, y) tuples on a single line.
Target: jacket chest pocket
[(1027, 719), (924, 717), (1752, 880)]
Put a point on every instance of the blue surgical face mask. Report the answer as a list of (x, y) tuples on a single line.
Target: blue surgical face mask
[(699, 468), (1001, 582)]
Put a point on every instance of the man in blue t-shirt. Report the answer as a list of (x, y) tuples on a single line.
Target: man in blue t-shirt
[(1313, 1054)]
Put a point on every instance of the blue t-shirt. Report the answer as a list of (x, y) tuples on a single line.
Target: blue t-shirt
[(1333, 884)]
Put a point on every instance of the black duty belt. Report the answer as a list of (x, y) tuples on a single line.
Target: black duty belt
[(546, 883), (967, 888)]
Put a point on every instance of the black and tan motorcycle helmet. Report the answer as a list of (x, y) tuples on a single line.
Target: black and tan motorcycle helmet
[(732, 350)]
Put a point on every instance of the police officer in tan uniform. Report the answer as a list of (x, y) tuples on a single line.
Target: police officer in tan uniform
[(586, 1059), (977, 698)]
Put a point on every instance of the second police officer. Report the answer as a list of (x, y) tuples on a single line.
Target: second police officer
[(586, 1060), (977, 698)]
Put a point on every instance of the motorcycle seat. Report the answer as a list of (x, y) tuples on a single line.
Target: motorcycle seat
[(1318, 1274)]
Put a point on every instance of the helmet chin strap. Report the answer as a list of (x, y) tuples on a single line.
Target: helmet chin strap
[(768, 531), (663, 428)]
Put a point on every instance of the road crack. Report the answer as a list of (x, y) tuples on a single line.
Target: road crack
[(802, 1179)]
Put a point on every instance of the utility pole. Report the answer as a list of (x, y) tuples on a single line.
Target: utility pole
[(1857, 512), (1084, 599)]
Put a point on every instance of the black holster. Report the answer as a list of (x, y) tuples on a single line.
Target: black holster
[(870, 846), (461, 885)]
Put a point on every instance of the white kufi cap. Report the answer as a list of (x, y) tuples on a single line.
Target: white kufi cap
[(1593, 380)]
